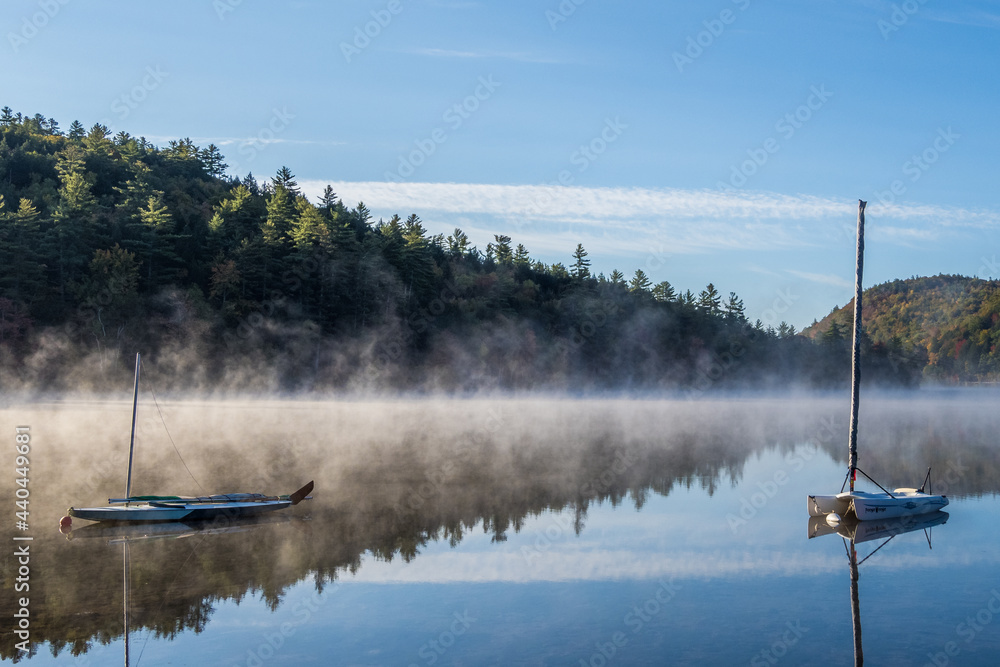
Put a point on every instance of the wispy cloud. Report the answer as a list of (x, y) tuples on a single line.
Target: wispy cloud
[(627, 220), (518, 56), (822, 278), (229, 141), (975, 18)]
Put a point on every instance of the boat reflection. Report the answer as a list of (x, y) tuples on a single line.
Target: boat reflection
[(854, 532), (118, 533)]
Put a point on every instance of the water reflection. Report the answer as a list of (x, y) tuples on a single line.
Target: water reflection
[(854, 532), (395, 480)]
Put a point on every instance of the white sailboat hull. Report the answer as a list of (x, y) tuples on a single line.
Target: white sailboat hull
[(866, 506)]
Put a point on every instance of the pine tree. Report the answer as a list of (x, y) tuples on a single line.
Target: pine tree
[(521, 258), (640, 283), (458, 243), (505, 255), (250, 183), (418, 264), (709, 300), (581, 265), (328, 200), (734, 308), (309, 230), (664, 292), (286, 179), (213, 160), (71, 235), (617, 277), (23, 274), (281, 212), (160, 241)]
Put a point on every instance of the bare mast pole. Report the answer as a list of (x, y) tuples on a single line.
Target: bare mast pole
[(131, 444), (856, 354)]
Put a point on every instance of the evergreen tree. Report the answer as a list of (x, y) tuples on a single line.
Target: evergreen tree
[(710, 301), (328, 200), (309, 230), (72, 232), (617, 277), (213, 160), (418, 264), (160, 242), (581, 265), (559, 271), (505, 255), (734, 309), (285, 179), (458, 243), (664, 292), (281, 212), (235, 218), (21, 271), (77, 131), (250, 183), (835, 334), (521, 258), (640, 283)]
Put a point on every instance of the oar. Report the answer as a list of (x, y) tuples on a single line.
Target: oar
[(301, 494)]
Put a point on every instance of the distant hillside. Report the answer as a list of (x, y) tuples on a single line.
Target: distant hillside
[(952, 323)]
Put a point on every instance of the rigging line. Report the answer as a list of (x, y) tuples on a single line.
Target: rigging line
[(876, 551), (163, 421)]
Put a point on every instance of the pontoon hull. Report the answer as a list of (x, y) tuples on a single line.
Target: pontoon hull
[(867, 506)]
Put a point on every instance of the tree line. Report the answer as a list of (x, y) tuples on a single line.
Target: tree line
[(109, 244)]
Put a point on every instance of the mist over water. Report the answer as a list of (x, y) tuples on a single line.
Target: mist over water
[(394, 477)]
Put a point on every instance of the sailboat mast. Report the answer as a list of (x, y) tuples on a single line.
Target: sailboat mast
[(131, 444), (856, 354)]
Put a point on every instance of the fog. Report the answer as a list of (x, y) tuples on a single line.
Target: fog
[(442, 455), (393, 475)]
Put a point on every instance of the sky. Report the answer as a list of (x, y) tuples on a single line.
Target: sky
[(722, 141)]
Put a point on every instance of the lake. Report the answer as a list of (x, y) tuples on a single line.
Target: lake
[(503, 531)]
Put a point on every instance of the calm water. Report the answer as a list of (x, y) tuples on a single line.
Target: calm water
[(540, 532)]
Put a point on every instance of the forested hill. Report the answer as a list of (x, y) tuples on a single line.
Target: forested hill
[(950, 324), (110, 245)]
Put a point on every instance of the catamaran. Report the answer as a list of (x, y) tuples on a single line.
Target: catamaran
[(181, 508), (862, 504)]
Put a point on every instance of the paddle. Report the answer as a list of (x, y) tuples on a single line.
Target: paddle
[(301, 494)]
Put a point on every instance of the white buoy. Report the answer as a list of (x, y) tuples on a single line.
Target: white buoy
[(833, 519)]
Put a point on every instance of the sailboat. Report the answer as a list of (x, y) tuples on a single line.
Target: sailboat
[(181, 508), (862, 504)]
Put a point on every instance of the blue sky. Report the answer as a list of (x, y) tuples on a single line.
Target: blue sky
[(724, 141)]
